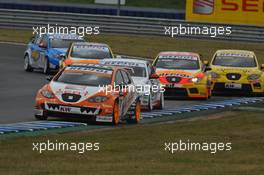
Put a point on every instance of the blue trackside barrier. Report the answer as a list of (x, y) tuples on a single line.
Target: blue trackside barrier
[(93, 10), (45, 125)]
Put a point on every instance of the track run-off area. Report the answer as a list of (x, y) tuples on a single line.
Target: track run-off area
[(18, 89)]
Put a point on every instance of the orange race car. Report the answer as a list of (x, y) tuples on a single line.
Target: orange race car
[(96, 92), (85, 52), (183, 74)]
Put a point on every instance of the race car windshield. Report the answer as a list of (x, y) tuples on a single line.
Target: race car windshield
[(84, 78), (138, 72), (91, 52), (62, 43), (234, 61), (171, 63)]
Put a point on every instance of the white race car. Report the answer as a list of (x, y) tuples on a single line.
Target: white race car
[(146, 81)]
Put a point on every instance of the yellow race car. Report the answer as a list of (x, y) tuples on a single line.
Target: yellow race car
[(183, 75), (236, 71)]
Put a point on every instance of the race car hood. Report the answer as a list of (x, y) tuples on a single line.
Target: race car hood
[(182, 73), (65, 92), (243, 71)]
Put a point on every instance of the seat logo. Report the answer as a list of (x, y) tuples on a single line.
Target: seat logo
[(205, 7)]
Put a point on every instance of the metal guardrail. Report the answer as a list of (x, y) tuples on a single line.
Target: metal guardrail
[(25, 19)]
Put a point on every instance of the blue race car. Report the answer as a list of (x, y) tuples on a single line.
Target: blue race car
[(45, 52)]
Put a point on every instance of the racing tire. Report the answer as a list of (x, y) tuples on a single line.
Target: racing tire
[(116, 113), (46, 69), (150, 106), (161, 102), (27, 66), (41, 117), (135, 118), (209, 93)]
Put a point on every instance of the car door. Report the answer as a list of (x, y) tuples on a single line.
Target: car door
[(38, 50), (131, 89), (42, 49), (33, 47), (119, 83)]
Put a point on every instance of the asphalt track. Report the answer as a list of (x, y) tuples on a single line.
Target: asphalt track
[(18, 88)]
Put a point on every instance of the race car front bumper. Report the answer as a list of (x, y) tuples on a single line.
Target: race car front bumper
[(188, 90), (246, 88), (90, 113)]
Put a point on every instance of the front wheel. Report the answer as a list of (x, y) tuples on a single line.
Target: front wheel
[(161, 102), (46, 69), (135, 118), (116, 113), (27, 66), (209, 93), (150, 105)]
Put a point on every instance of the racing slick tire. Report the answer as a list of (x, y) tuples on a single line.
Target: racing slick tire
[(46, 69), (150, 106), (136, 116), (116, 113), (27, 66), (161, 102), (209, 93)]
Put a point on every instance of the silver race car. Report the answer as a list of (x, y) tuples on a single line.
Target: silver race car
[(146, 81)]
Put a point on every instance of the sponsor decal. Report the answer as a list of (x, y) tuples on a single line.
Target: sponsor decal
[(203, 6), (181, 57), (71, 109), (174, 75), (226, 11), (89, 69), (69, 37), (123, 63), (96, 47), (235, 55)]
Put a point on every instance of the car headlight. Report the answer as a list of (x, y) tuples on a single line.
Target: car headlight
[(97, 99), (215, 75), (254, 77), (47, 94), (195, 80)]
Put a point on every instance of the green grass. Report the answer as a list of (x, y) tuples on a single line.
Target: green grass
[(149, 46), (170, 4), (140, 149)]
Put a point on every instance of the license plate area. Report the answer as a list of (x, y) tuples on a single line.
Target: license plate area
[(174, 85), (233, 86)]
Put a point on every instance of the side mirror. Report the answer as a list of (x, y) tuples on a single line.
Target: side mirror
[(154, 76), (153, 70), (49, 78), (206, 62), (42, 45), (62, 56)]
